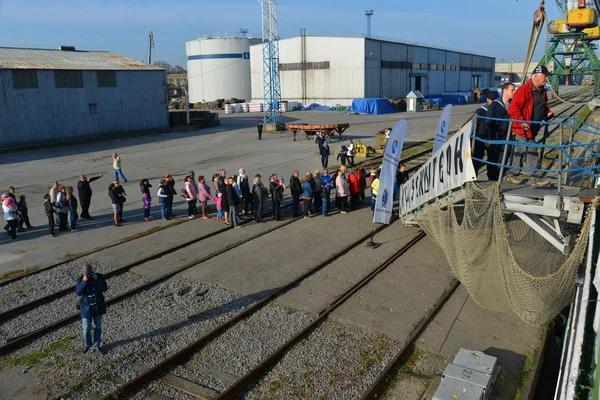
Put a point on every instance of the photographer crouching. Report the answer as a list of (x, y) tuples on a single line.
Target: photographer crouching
[(90, 288)]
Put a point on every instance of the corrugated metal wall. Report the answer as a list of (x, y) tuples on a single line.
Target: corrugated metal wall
[(46, 114)]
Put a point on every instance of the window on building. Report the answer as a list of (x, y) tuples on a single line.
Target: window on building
[(68, 79), (106, 78), (24, 79), (93, 108), (304, 66)]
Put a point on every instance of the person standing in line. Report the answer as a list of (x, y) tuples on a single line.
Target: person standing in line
[(354, 186), (11, 193), (342, 190), (372, 176), (374, 191), (171, 186), (238, 192), (259, 193), (317, 191), (226, 201), (325, 155), (62, 208), (85, 194), (191, 196), (259, 128), (163, 196), (122, 196), (49, 211), (23, 213), (530, 103), (221, 181), (326, 185), (307, 194), (203, 195), (244, 184), (90, 288), (195, 185), (296, 192), (115, 201), (361, 175), (275, 188), (117, 168), (9, 207), (72, 214), (146, 198), (53, 195), (233, 200), (350, 153)]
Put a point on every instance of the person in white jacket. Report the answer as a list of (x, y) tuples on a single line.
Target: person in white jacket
[(9, 206), (162, 194), (192, 195)]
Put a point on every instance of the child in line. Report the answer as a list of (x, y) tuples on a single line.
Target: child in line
[(218, 200), (23, 213), (72, 213), (49, 211), (147, 202)]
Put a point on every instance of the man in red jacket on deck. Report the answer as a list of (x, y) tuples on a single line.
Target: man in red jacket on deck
[(529, 104)]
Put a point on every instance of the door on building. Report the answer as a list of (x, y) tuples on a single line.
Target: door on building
[(476, 81)]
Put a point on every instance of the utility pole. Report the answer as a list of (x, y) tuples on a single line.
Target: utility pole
[(271, 82), (150, 46), (369, 14)]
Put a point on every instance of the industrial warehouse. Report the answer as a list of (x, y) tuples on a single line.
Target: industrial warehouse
[(285, 216), (67, 95)]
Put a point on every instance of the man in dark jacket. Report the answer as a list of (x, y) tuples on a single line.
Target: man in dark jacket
[(259, 128), (529, 104), (85, 194), (275, 188), (233, 200), (91, 287), (296, 192), (496, 130), (122, 196), (481, 148)]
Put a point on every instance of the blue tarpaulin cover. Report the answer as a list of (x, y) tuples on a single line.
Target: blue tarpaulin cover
[(317, 107), (372, 106)]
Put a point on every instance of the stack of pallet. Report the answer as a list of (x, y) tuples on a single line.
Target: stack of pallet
[(255, 107)]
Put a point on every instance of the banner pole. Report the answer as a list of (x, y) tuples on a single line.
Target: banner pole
[(372, 243)]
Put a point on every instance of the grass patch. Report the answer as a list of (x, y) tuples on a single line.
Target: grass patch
[(373, 355), (151, 230), (71, 256), (33, 358), (523, 378), (15, 274)]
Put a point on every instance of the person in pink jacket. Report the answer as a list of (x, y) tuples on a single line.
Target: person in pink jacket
[(203, 194), (191, 196), (343, 190)]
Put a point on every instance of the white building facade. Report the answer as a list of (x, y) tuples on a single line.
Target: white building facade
[(336, 70)]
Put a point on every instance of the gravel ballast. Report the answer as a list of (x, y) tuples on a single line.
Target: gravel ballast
[(333, 362), (62, 307), (246, 344), (142, 330), (44, 283)]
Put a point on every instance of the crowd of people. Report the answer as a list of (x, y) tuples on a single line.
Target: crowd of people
[(236, 197)]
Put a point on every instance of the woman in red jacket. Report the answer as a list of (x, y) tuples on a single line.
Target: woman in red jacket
[(354, 183), (529, 104)]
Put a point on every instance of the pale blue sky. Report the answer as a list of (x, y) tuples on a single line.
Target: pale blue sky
[(498, 28)]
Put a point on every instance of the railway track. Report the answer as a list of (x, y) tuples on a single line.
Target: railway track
[(16, 342)]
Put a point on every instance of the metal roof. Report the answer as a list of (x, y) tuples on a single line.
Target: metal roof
[(21, 58)]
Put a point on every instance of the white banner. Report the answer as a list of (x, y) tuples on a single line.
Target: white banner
[(441, 133), (448, 168), (391, 157)]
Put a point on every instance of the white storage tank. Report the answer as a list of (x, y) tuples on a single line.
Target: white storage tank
[(219, 67)]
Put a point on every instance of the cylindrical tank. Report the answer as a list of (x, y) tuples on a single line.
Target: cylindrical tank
[(219, 68)]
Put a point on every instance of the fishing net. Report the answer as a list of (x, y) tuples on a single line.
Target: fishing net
[(505, 265)]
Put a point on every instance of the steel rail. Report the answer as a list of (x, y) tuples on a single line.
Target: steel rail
[(181, 356)]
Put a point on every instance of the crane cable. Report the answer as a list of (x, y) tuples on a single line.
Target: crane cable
[(539, 17)]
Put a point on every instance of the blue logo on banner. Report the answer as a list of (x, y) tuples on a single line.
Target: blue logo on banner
[(443, 126), (246, 55), (394, 146), (384, 197)]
